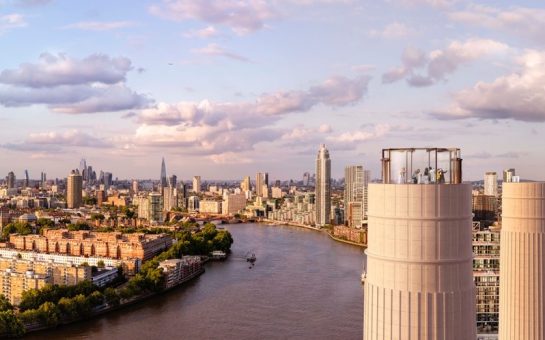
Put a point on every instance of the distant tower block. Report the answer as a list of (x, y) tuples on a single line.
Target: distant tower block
[(419, 282), (522, 263)]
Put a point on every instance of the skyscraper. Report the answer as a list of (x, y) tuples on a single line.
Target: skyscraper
[(323, 187), (353, 195), (197, 184), (26, 183), (261, 178), (74, 185), (43, 180), (418, 282), (172, 181), (163, 183), (491, 184), (10, 180), (522, 266), (508, 175)]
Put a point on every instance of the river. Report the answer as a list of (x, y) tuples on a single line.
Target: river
[(304, 285)]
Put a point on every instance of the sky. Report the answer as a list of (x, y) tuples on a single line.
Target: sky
[(227, 88)]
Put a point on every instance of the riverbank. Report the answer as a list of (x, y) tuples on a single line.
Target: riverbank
[(104, 309), (327, 231)]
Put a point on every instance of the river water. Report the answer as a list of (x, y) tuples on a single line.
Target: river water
[(303, 286)]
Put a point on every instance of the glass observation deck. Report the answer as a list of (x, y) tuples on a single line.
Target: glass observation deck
[(421, 166)]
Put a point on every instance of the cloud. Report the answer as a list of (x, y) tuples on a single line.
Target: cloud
[(229, 158), (440, 63), (433, 3), (55, 70), (377, 131), (31, 3), (207, 32), (215, 50), (518, 96), (68, 85), (525, 22), (392, 31), (488, 155), (241, 16), (11, 21), (99, 25), (56, 141), (336, 91), (211, 128)]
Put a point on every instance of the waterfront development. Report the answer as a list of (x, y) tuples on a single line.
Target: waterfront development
[(304, 285)]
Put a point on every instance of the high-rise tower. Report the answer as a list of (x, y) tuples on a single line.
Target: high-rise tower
[(10, 180), (323, 187), (522, 264), (353, 195), (491, 184), (74, 186), (163, 183), (261, 181), (508, 175), (418, 282)]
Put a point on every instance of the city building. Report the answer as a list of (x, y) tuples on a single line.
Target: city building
[(130, 266), (210, 207), (163, 180), (276, 192), (103, 244), (485, 208), (74, 187), (10, 180), (193, 203), (353, 195), (155, 207), (486, 275), (245, 184), (261, 180), (522, 281), (491, 184), (177, 270), (418, 283), (323, 187), (19, 275), (196, 184), (508, 175), (233, 204)]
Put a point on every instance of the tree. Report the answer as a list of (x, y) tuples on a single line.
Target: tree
[(100, 264), (111, 296), (5, 305), (49, 313), (10, 324)]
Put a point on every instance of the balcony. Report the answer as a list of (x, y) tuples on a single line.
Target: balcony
[(421, 166)]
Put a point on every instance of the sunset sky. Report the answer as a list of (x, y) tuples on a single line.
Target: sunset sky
[(226, 88)]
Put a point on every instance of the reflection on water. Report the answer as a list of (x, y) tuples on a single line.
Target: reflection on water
[(303, 285)]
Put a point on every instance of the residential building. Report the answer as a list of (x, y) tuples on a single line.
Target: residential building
[(196, 184), (323, 187), (210, 207), (508, 175), (233, 203), (486, 275), (74, 188), (177, 270), (491, 184), (104, 244)]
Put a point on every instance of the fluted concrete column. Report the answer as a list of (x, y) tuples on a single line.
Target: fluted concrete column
[(522, 266), (419, 282)]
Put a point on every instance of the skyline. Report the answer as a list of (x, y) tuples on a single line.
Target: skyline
[(241, 87)]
